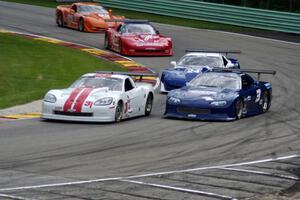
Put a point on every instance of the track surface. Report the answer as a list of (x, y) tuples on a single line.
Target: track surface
[(34, 152)]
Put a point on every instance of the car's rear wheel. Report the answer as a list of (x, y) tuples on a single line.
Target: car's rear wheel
[(148, 106), (106, 44), (119, 112), (266, 102), (239, 106), (59, 19), (81, 25)]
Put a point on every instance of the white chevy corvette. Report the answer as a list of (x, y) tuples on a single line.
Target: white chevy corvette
[(100, 97)]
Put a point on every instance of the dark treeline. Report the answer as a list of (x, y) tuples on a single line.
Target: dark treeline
[(281, 5)]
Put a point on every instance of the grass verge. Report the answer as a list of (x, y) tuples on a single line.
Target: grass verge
[(151, 17), (29, 68)]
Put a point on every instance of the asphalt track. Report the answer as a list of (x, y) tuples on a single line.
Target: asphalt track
[(41, 154)]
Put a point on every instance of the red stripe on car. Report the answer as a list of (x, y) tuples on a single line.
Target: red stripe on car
[(70, 100), (81, 99)]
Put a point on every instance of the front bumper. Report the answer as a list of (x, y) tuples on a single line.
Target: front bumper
[(95, 114), (200, 113)]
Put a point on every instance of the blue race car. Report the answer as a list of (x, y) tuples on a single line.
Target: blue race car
[(221, 95), (193, 63)]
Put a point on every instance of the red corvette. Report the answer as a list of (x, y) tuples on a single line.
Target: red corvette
[(88, 17), (137, 38)]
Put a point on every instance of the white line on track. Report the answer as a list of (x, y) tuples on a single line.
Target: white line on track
[(151, 174), (180, 189), (15, 197), (262, 173)]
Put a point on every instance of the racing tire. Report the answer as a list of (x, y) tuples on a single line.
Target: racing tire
[(119, 112), (148, 105), (239, 107), (106, 44), (81, 25), (265, 102), (60, 19), (121, 47)]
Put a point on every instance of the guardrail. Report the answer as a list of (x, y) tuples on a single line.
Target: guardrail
[(226, 14)]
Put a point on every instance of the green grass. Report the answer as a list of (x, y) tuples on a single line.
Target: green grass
[(29, 68), (151, 17)]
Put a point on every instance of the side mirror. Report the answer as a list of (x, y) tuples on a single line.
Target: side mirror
[(157, 32), (173, 63), (230, 65)]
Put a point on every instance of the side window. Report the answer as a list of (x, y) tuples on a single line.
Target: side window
[(128, 85), (247, 81), (122, 29)]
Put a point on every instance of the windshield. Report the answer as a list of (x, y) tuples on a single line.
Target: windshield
[(92, 9), (114, 84), (199, 60), (220, 80), (137, 29)]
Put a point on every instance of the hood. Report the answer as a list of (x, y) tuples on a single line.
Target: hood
[(205, 93), (185, 74), (146, 39), (97, 16)]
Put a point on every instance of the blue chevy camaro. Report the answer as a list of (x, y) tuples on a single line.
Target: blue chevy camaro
[(192, 64), (220, 95)]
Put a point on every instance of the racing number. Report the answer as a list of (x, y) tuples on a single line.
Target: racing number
[(88, 104), (258, 95)]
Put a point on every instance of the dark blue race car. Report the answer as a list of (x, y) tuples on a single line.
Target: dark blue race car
[(193, 63), (221, 95)]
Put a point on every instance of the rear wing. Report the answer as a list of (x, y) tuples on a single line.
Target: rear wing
[(253, 71), (214, 51), (128, 20), (135, 75)]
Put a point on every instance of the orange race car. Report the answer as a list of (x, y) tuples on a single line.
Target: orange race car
[(88, 17)]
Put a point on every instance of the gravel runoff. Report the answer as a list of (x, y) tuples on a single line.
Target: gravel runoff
[(33, 107)]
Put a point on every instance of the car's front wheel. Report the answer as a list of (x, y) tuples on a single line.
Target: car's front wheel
[(239, 107), (59, 19), (119, 112), (148, 106), (81, 25)]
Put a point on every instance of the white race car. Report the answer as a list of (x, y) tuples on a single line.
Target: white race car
[(100, 97)]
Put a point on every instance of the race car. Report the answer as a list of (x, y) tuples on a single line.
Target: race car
[(221, 95), (195, 61), (137, 38), (84, 16), (100, 97)]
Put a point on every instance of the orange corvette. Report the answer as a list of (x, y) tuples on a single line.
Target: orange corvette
[(88, 17)]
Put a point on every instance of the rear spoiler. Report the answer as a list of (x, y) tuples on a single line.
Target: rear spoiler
[(127, 20), (214, 51), (132, 74), (253, 71)]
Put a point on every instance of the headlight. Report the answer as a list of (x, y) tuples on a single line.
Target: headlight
[(104, 101), (173, 100), (50, 98), (218, 103)]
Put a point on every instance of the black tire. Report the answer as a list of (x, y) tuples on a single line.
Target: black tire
[(81, 25), (266, 102), (121, 47), (106, 45), (119, 112), (239, 107), (59, 19), (148, 106)]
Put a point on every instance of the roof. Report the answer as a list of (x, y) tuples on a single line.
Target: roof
[(120, 76), (204, 54)]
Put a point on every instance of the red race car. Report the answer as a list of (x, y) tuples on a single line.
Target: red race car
[(137, 38), (88, 17)]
